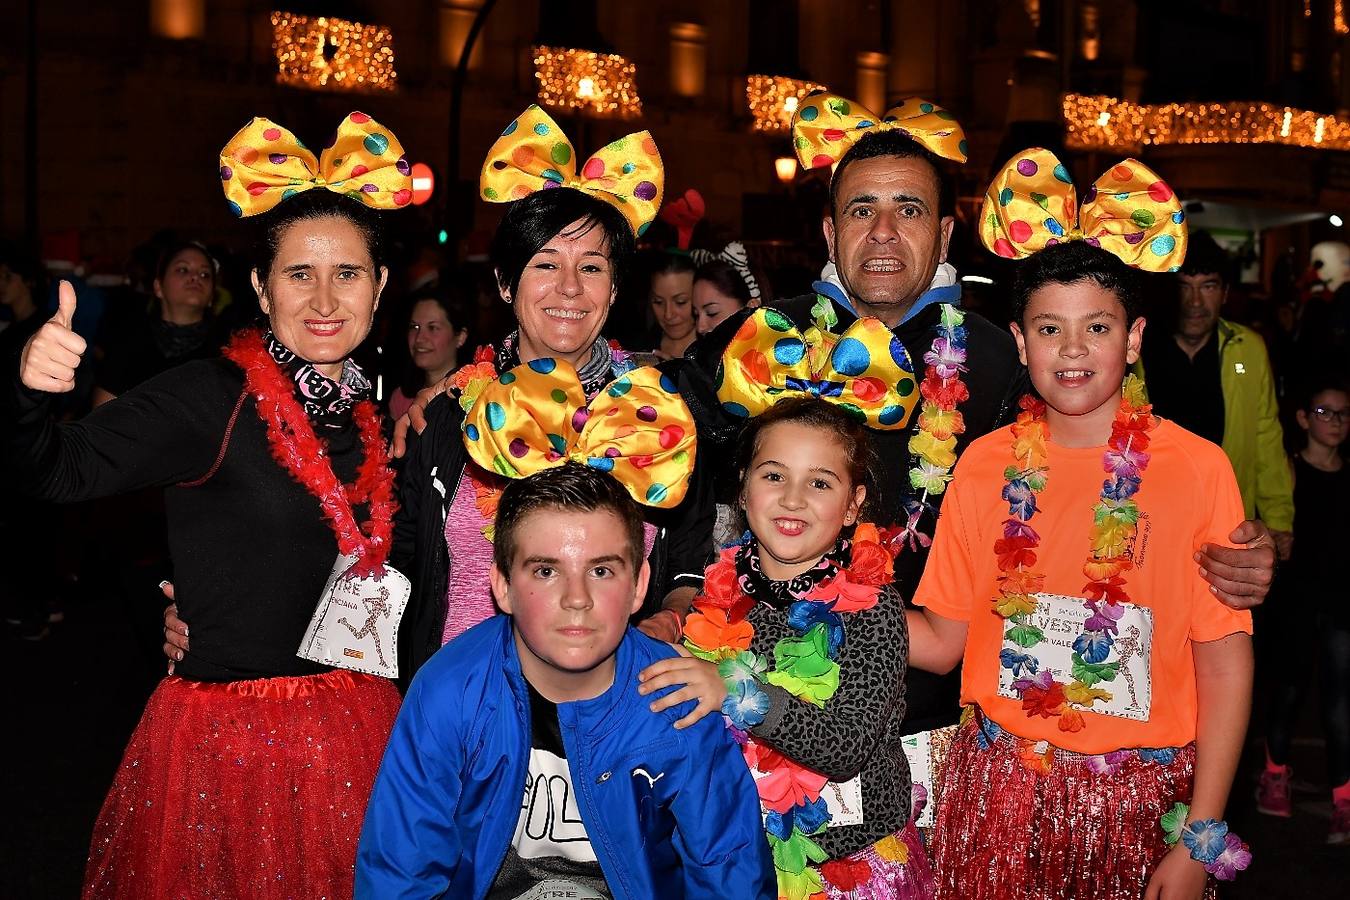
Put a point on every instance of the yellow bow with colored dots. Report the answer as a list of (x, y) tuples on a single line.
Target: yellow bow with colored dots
[(533, 154), (866, 371), (825, 126), (264, 164), (637, 429), (1129, 212)]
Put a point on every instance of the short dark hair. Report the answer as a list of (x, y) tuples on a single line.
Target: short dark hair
[(1322, 378), (571, 486), (533, 221), (847, 429), (23, 262), (166, 257), (894, 143), (453, 298), (726, 278), (1071, 262), (1204, 256), (659, 262), (316, 203)]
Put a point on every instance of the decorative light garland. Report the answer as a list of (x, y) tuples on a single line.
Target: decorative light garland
[(774, 98), (1092, 122), (332, 54), (601, 84)]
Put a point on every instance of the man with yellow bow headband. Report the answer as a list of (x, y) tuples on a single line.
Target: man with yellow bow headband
[(888, 230)]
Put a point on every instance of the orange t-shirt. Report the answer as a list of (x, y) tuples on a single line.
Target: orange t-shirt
[(1188, 497)]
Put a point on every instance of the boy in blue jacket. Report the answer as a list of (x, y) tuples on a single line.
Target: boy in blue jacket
[(616, 803)]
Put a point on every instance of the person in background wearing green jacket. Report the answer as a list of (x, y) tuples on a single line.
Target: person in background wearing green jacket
[(1212, 377)]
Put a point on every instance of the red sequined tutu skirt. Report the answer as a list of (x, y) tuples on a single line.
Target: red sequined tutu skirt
[(250, 789), (1019, 819)]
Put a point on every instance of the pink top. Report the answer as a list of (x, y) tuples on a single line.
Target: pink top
[(399, 403), (468, 598)]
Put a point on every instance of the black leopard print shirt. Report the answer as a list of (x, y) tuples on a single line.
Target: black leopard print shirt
[(858, 731)]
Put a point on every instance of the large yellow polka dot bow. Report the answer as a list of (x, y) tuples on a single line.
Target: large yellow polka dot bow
[(1129, 212), (637, 429), (866, 371), (825, 126), (264, 164), (533, 154)]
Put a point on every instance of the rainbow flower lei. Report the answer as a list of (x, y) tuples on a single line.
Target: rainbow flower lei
[(1114, 523), (940, 421), (718, 630)]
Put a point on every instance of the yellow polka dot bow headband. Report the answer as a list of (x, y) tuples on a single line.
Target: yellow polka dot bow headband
[(264, 164), (1129, 212), (637, 429), (533, 155), (825, 126), (866, 371)]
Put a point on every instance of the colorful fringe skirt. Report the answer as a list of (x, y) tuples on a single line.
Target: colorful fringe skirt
[(1027, 820), (247, 789), (894, 868)]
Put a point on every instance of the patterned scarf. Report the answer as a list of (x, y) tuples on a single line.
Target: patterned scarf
[(326, 402), (594, 374), (782, 594)]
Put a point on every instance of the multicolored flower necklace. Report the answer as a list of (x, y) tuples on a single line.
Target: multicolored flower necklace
[(805, 666), (1114, 523), (466, 383), (940, 422), (298, 449)]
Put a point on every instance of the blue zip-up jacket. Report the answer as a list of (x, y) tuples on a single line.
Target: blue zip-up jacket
[(445, 804)]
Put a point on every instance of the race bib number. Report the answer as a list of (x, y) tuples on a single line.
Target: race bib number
[(355, 625), (1046, 637)]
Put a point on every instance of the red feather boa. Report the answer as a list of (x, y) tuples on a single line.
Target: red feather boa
[(300, 451)]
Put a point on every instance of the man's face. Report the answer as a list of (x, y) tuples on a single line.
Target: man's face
[(1200, 297), (885, 234)]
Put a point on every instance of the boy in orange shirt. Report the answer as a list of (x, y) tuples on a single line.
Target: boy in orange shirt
[(1106, 690)]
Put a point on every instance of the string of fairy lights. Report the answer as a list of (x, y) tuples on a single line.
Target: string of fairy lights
[(334, 54), (1098, 122), (601, 84), (773, 99)]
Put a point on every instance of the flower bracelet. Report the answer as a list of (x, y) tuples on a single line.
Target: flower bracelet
[(1209, 842)]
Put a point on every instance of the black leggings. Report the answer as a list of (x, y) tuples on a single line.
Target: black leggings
[(1289, 685)]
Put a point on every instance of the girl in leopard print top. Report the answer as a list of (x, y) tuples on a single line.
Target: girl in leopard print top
[(800, 640)]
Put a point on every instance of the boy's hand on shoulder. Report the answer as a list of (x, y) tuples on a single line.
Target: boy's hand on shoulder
[(700, 680), (1178, 877)]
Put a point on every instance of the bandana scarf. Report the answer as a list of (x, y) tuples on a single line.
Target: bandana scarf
[(327, 403)]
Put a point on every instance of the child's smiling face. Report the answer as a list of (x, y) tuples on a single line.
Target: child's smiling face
[(797, 496), (1076, 343)]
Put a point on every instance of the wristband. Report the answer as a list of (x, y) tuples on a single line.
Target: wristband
[(1209, 841)]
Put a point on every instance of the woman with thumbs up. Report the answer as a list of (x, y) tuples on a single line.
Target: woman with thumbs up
[(249, 771)]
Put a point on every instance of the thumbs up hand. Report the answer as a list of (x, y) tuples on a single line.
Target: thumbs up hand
[(51, 356)]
